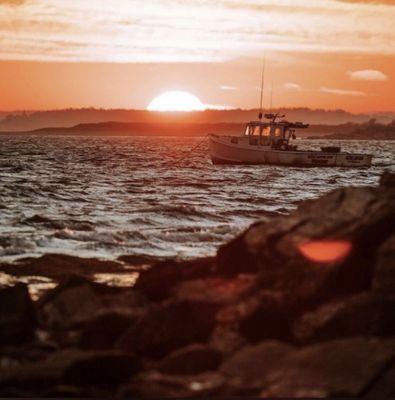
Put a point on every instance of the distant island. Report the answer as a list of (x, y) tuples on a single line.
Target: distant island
[(372, 130), (23, 121), (368, 130)]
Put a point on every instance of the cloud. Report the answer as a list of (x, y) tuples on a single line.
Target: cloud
[(226, 87), (367, 75), (292, 87), (187, 31), (342, 92), (11, 2), (385, 2)]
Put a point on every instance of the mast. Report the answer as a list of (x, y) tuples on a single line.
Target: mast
[(262, 84), (271, 97)]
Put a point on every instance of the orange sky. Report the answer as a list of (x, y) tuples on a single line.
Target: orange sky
[(321, 54)]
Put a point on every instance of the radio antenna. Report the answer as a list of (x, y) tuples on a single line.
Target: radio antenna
[(271, 97), (262, 85)]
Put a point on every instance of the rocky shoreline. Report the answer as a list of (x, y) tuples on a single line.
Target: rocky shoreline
[(301, 305)]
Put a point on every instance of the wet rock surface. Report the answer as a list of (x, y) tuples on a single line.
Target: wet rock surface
[(297, 306)]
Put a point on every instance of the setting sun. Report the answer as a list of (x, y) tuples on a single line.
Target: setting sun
[(176, 100)]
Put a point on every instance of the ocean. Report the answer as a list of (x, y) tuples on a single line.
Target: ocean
[(109, 196)]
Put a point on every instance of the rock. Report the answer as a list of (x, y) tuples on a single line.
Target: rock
[(156, 283), (76, 301), (72, 367), (383, 387), (366, 314), (72, 302), (154, 385), (247, 367), (104, 329), (17, 315), (384, 275), (226, 339), (272, 318), (169, 327), (347, 225), (215, 290), (190, 360), (59, 266), (339, 368)]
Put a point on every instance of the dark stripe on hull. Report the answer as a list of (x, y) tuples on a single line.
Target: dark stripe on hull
[(221, 161)]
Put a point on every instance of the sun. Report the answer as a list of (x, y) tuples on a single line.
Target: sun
[(176, 100)]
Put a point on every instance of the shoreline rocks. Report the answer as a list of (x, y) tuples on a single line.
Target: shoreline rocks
[(299, 305)]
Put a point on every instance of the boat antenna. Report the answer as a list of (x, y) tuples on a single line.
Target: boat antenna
[(262, 84), (271, 97)]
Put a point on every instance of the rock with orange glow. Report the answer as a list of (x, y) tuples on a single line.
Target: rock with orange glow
[(328, 245)]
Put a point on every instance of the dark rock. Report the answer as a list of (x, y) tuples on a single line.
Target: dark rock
[(156, 283), (215, 290), (169, 327), (17, 315), (384, 276), (76, 301), (383, 386), (103, 330), (59, 266), (362, 314), (101, 369), (340, 368), (69, 304), (72, 367), (190, 360), (387, 179), (226, 338), (247, 367), (350, 223), (272, 318), (155, 384)]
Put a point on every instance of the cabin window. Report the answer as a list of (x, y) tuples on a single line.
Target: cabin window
[(247, 131), (278, 132), (266, 131)]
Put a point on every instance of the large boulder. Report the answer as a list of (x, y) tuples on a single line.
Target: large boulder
[(153, 384), (191, 360), (384, 276), (71, 367), (76, 301), (366, 314), (157, 282), (339, 368), (18, 319), (245, 369), (168, 327), (326, 248)]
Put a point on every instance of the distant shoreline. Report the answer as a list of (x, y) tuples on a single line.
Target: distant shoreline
[(366, 131)]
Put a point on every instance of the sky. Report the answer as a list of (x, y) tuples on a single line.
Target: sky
[(123, 53)]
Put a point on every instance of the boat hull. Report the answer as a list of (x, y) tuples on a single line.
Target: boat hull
[(223, 151)]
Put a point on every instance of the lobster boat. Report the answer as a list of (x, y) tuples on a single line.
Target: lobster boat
[(271, 141)]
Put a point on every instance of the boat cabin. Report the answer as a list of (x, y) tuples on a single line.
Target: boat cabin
[(272, 133)]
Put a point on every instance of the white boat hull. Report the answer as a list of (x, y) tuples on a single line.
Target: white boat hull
[(223, 151)]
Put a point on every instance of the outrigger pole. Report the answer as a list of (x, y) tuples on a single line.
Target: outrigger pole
[(262, 84)]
